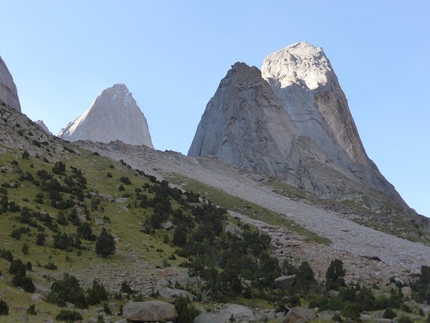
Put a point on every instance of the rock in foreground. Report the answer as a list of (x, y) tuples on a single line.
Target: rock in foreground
[(151, 311)]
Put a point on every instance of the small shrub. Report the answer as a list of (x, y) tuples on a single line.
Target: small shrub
[(25, 249), (31, 310), (125, 288), (405, 319), (68, 316), (4, 308), (40, 239), (16, 233), (389, 314)]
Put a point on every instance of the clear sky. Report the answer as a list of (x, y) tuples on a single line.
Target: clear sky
[(173, 54)]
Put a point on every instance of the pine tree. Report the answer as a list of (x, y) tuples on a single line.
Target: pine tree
[(105, 244), (335, 275)]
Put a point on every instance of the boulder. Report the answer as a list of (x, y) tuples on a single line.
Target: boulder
[(299, 315), (172, 294), (233, 229), (238, 312), (167, 225), (150, 311), (209, 318), (285, 281)]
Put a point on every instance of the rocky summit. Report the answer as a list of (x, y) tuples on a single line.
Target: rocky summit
[(114, 115), (8, 92), (291, 120), (43, 126)]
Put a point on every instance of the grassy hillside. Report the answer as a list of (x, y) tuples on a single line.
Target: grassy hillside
[(53, 216)]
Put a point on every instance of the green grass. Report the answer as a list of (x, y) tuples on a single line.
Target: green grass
[(239, 205)]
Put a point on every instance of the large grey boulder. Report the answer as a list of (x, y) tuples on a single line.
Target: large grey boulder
[(8, 92), (114, 115), (285, 281), (209, 318), (150, 311), (172, 294), (238, 312), (299, 315)]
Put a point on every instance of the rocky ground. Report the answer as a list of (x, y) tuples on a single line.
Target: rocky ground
[(367, 254)]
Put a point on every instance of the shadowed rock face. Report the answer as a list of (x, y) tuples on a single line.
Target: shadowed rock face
[(291, 120), (8, 92), (245, 124), (114, 115)]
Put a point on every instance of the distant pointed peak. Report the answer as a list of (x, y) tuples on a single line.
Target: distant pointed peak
[(303, 48)]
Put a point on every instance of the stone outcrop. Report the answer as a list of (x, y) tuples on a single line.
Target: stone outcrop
[(150, 311), (291, 120), (114, 115), (8, 92), (43, 126), (300, 315)]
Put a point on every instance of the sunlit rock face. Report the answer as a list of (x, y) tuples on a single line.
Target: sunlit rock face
[(8, 92), (291, 120), (114, 115)]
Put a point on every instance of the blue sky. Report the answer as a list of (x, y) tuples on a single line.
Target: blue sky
[(173, 54)]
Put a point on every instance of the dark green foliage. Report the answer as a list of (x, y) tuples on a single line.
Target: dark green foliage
[(31, 310), (97, 293), (40, 239), (67, 290), (85, 231), (405, 319), (50, 266), (125, 180), (63, 241), (4, 308), (61, 219), (186, 311), (13, 207), (365, 299), (6, 254), (17, 267), (68, 316), (25, 249), (180, 236), (337, 318), (105, 244), (305, 280), (24, 282), (106, 309), (422, 288), (351, 311), (4, 203), (125, 288), (25, 155), (121, 188), (389, 314), (59, 168), (335, 275), (16, 233)]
